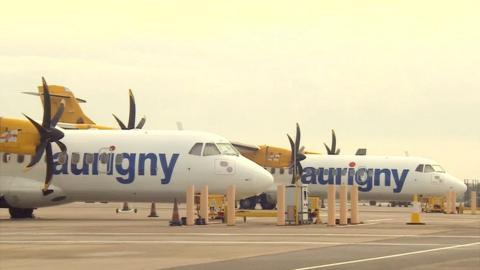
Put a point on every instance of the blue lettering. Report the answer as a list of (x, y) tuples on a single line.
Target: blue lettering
[(63, 167), (378, 173), (322, 172), (363, 179), (153, 163), (399, 181), (338, 175), (95, 164), (129, 171), (309, 176), (84, 170), (167, 168)]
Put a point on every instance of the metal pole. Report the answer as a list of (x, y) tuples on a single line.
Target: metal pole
[(204, 204), (231, 205), (343, 204), (190, 205), (281, 205), (473, 202), (354, 205), (331, 205)]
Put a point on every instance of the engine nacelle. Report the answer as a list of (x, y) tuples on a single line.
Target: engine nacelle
[(22, 192)]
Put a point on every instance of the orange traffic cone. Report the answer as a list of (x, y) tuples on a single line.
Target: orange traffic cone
[(175, 216), (153, 211)]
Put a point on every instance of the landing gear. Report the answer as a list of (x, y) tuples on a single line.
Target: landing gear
[(20, 213), (248, 203), (266, 203), (373, 203)]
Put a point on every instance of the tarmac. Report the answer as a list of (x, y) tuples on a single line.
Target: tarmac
[(93, 236)]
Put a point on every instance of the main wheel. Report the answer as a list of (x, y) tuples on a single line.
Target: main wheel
[(266, 202), (21, 213), (248, 203)]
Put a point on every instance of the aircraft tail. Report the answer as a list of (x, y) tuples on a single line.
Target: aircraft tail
[(73, 114)]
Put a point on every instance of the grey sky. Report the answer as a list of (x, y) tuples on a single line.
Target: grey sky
[(391, 77)]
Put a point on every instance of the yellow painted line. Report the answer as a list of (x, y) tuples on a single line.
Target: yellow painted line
[(387, 257)]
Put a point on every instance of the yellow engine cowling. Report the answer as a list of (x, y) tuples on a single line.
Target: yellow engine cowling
[(270, 156), (18, 136)]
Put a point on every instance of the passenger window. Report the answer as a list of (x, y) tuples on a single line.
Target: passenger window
[(103, 158), (272, 170), (75, 158), (428, 168), (196, 149), (211, 150), (62, 158), (20, 158), (118, 159), (282, 170), (419, 168), (89, 158), (6, 157)]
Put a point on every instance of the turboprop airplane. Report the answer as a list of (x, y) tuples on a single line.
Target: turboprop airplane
[(383, 178), (389, 178), (113, 165)]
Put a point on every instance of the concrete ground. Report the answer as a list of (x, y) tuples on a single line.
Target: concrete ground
[(93, 236)]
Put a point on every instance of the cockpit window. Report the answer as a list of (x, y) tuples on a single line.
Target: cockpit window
[(419, 168), (428, 168), (438, 168), (196, 149), (211, 150), (227, 149)]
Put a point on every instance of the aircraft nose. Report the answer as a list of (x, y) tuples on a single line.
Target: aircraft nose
[(458, 186), (265, 178), (261, 178)]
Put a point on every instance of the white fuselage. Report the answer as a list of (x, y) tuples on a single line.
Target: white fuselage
[(392, 178), (131, 165)]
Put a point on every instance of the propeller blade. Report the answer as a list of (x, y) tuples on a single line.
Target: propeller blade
[(328, 149), (39, 127), (292, 158), (141, 123), (46, 105), (50, 165), (297, 139), (58, 114), (300, 168), (38, 154), (131, 115), (292, 148), (334, 142), (120, 123), (62, 146)]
